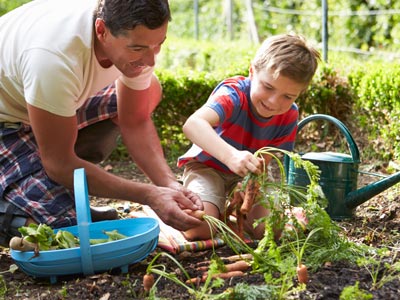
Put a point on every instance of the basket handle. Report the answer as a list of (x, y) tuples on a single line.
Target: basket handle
[(343, 129), (83, 219)]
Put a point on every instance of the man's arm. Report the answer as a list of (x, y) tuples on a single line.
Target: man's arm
[(141, 138), (56, 137), (139, 133)]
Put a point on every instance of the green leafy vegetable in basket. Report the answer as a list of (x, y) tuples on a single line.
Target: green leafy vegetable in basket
[(34, 238), (113, 235), (41, 237), (66, 240)]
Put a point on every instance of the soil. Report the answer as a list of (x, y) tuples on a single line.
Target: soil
[(376, 222)]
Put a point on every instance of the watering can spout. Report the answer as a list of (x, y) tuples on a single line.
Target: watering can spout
[(357, 197)]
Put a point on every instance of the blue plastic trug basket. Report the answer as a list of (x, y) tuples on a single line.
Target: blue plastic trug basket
[(142, 238)]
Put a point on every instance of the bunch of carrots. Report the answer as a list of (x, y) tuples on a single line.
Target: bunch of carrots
[(241, 204), (236, 267)]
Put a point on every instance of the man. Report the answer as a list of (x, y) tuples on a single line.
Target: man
[(55, 55)]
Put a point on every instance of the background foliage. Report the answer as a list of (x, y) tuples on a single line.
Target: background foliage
[(362, 91), (352, 24), (7, 5)]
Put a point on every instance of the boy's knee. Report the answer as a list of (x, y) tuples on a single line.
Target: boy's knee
[(198, 233), (259, 232)]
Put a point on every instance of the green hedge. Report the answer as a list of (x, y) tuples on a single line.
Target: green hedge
[(377, 89), (183, 93)]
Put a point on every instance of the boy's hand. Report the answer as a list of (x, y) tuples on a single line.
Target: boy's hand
[(243, 162)]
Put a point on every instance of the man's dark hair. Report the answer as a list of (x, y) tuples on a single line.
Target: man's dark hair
[(122, 15)]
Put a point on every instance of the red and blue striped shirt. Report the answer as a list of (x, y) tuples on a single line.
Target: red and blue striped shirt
[(241, 127)]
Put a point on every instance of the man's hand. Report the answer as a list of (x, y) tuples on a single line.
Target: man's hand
[(169, 204), (194, 198)]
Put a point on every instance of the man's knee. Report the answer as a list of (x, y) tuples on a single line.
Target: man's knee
[(11, 218), (96, 142)]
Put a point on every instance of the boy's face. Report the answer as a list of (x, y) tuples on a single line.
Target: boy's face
[(272, 96)]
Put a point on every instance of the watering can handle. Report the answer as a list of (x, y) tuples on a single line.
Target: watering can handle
[(343, 129)]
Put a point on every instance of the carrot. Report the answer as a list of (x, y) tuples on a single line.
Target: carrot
[(194, 280), (277, 234), (223, 275), (240, 222), (199, 214), (148, 282), (236, 201), (202, 268), (250, 195), (228, 275), (239, 265), (226, 259), (238, 257), (302, 274), (233, 227)]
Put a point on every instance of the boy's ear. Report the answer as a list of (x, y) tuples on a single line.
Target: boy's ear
[(251, 70)]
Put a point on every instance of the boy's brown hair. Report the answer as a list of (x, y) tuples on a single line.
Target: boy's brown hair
[(288, 55)]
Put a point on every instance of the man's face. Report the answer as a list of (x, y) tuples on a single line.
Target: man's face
[(272, 96), (132, 52)]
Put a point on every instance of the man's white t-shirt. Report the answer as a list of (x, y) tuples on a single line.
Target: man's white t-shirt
[(47, 59)]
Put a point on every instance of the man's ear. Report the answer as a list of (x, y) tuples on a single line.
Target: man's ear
[(100, 28)]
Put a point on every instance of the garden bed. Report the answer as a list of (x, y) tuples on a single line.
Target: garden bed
[(376, 223)]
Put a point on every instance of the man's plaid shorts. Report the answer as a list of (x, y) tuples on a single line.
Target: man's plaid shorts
[(23, 180)]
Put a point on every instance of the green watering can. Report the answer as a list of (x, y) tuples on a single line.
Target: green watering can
[(338, 177)]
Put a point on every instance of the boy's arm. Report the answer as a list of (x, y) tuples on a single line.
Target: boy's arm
[(199, 129)]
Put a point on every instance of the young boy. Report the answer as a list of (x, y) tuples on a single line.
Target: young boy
[(242, 115)]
